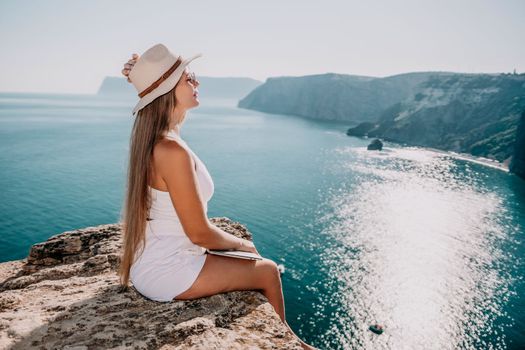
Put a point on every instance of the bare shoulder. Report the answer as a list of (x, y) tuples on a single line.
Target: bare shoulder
[(176, 168), (168, 148), (169, 154)]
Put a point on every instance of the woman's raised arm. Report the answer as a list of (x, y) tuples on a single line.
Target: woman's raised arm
[(128, 66)]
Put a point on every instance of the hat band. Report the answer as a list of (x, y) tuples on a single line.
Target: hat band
[(159, 81)]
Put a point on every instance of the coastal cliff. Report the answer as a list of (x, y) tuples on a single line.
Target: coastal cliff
[(334, 97), (66, 294), (517, 165), (476, 114)]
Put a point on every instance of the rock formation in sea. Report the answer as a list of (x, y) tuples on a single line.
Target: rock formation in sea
[(517, 165), (66, 294), (375, 145)]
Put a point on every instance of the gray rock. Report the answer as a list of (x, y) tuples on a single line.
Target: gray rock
[(375, 145)]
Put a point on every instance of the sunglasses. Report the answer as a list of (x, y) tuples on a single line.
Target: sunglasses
[(192, 78)]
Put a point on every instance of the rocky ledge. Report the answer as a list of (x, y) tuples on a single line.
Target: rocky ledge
[(66, 295)]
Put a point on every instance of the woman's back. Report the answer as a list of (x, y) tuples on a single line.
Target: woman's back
[(171, 261), (205, 181)]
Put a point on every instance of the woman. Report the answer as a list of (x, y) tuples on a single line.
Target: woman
[(166, 229)]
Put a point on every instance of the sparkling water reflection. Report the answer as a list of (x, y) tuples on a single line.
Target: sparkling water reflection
[(418, 250)]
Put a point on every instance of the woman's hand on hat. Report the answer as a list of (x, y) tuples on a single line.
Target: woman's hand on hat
[(129, 66)]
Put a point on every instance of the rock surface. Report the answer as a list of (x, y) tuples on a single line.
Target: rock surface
[(66, 295)]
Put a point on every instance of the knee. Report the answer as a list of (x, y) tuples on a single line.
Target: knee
[(271, 270)]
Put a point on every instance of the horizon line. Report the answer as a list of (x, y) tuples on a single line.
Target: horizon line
[(263, 81)]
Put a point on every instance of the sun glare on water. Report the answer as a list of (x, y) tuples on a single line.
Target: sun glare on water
[(418, 249)]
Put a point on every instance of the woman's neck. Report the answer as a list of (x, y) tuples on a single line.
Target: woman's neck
[(175, 129)]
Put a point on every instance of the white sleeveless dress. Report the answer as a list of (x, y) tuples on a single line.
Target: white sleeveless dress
[(170, 262)]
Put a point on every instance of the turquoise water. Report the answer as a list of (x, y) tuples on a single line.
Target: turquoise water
[(428, 245)]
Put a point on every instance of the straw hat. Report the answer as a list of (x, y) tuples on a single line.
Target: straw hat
[(156, 72)]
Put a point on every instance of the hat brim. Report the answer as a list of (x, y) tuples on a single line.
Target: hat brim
[(165, 86)]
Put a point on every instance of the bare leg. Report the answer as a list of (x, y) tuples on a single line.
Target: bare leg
[(222, 274), (274, 294)]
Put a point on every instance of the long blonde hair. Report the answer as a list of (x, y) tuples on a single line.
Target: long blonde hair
[(150, 126)]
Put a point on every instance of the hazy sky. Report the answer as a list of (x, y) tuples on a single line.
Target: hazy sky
[(70, 46)]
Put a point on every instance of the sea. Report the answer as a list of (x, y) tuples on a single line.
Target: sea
[(428, 244)]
